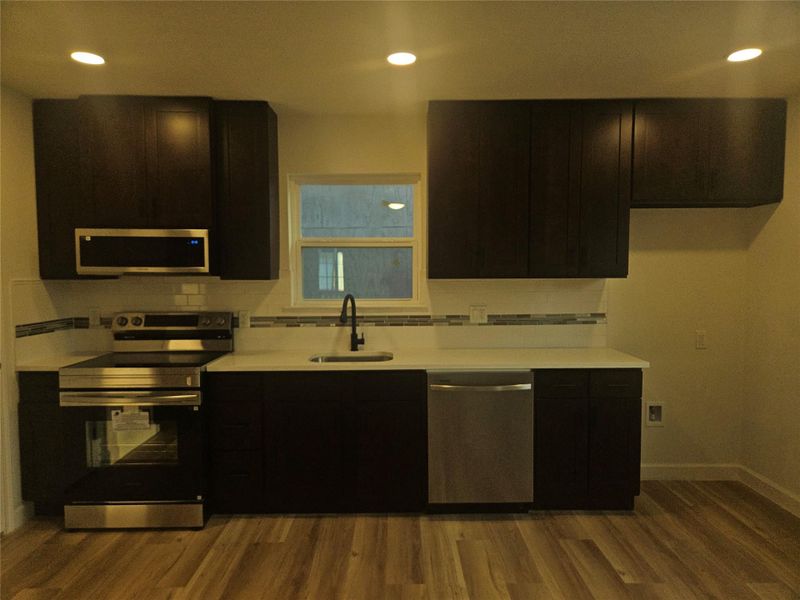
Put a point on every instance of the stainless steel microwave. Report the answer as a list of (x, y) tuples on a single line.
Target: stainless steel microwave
[(118, 251)]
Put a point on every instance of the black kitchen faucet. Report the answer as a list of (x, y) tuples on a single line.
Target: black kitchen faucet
[(355, 341)]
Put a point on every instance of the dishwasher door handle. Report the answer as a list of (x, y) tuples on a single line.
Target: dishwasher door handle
[(512, 387)]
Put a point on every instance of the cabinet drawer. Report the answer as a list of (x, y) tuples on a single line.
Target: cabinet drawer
[(232, 386), (237, 482), (236, 425), (561, 383), (616, 383)]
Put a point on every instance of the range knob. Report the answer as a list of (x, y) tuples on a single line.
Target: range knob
[(122, 321), (220, 321), (136, 321), (205, 321)]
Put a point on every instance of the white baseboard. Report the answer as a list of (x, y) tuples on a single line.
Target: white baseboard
[(766, 487), (21, 513), (778, 494), (692, 471)]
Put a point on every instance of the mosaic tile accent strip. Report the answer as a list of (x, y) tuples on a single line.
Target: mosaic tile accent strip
[(29, 329), (433, 320), (366, 320)]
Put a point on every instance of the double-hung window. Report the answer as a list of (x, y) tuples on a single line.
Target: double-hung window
[(355, 234)]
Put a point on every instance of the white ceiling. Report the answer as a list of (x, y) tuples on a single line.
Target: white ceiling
[(328, 57)]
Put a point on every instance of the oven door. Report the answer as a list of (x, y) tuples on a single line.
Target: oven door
[(142, 446)]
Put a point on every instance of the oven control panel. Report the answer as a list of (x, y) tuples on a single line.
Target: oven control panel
[(197, 321)]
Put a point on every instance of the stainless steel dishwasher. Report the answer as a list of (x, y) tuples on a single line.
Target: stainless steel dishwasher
[(480, 437)]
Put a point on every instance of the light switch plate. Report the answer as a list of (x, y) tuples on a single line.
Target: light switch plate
[(477, 314)]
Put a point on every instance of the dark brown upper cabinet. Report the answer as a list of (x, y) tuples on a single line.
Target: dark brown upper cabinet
[(158, 162), (605, 188), (528, 189), (245, 141), (478, 164), (58, 186), (580, 188), (708, 152), (145, 161)]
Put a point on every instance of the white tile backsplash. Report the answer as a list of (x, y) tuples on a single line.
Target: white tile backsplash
[(35, 301)]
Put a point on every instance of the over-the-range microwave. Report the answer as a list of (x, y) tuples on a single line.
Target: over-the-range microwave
[(118, 251)]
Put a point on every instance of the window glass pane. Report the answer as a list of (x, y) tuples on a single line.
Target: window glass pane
[(355, 211), (364, 272)]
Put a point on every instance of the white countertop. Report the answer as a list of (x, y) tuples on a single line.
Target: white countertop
[(54, 362), (434, 359)]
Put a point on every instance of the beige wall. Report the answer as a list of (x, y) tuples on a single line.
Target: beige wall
[(18, 255), (687, 272), (771, 425)]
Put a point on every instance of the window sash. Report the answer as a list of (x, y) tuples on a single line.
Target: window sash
[(297, 242)]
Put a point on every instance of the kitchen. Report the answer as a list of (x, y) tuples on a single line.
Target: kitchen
[(731, 273)]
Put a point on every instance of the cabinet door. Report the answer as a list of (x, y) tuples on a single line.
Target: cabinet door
[(747, 138), (246, 163), (305, 453), (670, 152), (561, 433), (237, 481), (478, 165), (554, 189), (113, 145), (41, 441), (504, 167), (453, 189), (178, 162), (605, 188), (58, 189), (391, 441), (614, 451)]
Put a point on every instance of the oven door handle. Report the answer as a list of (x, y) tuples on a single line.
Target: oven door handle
[(128, 399)]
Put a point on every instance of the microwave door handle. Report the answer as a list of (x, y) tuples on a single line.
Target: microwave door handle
[(127, 399)]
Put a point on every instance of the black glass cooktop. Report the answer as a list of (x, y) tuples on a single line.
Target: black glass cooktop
[(148, 360)]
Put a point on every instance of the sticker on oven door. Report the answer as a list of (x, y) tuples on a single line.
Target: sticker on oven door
[(130, 418)]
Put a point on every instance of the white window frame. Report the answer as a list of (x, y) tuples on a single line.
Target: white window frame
[(297, 242)]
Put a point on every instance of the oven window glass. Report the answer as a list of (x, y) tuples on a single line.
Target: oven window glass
[(128, 436)]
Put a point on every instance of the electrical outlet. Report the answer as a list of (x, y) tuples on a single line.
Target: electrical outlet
[(244, 319), (700, 339), (477, 314), (654, 414), (94, 317)]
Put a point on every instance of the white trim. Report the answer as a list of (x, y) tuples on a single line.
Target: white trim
[(774, 492), (691, 471), (769, 489)]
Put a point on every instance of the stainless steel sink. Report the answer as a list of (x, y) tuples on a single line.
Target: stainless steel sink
[(352, 357)]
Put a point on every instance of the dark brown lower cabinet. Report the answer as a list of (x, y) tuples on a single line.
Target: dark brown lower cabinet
[(391, 453), (234, 409), (587, 438), (41, 442), (329, 442)]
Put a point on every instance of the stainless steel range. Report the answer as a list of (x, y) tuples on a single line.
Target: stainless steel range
[(133, 422)]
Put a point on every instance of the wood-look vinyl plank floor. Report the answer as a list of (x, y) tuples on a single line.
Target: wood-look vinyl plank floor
[(685, 540)]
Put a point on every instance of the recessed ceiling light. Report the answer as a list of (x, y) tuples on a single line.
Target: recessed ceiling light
[(745, 54), (395, 205), (87, 58), (402, 58)]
